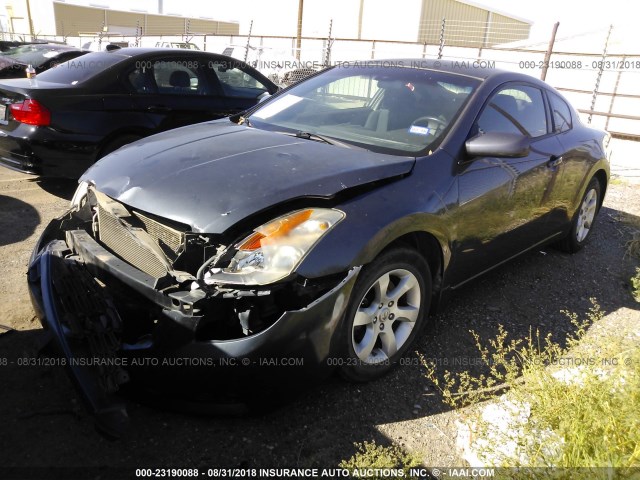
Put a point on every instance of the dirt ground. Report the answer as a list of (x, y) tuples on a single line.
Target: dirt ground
[(42, 423)]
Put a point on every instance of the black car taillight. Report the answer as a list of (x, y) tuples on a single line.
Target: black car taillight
[(31, 112)]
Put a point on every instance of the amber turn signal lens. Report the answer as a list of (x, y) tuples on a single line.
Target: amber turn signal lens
[(251, 243), (278, 228)]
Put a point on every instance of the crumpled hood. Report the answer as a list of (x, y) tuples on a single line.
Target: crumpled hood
[(212, 175)]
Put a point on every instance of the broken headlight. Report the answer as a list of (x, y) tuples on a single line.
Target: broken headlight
[(79, 196), (275, 249)]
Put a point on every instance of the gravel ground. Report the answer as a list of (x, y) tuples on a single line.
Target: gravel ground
[(43, 425)]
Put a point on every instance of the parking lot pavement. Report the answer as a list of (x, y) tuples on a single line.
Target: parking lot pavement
[(26, 206)]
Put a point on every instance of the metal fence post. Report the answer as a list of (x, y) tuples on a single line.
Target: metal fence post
[(246, 52), (599, 77), (100, 35), (442, 28), (327, 57), (299, 29), (547, 55), (138, 33), (615, 91)]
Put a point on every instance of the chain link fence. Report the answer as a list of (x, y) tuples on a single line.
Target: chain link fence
[(593, 70)]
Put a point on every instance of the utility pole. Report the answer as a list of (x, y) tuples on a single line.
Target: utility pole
[(360, 19), (29, 18), (547, 55), (299, 35)]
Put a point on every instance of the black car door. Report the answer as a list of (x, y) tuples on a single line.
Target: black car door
[(505, 203), (175, 91), (575, 165)]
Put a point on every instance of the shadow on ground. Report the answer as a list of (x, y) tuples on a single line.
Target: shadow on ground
[(60, 187), (19, 220)]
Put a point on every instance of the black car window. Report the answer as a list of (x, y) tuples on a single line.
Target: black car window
[(236, 82), (561, 113), (169, 77), (81, 69), (175, 77), (515, 109), (142, 80)]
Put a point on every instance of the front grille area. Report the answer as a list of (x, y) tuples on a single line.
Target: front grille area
[(121, 241), (136, 245)]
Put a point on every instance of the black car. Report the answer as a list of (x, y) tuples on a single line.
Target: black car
[(316, 231), (39, 56), (65, 119), (6, 45)]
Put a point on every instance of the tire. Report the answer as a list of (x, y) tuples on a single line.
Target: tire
[(381, 323), (584, 219), (116, 143)]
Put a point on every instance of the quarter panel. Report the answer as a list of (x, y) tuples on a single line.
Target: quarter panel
[(420, 202)]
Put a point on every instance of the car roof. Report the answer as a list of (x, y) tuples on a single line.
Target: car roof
[(476, 68), (133, 51)]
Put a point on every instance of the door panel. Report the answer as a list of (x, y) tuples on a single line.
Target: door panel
[(175, 92), (577, 160), (505, 204)]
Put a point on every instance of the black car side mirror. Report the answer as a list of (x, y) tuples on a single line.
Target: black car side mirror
[(498, 144)]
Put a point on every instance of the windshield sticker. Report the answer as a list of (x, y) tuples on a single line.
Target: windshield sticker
[(416, 130), (276, 107)]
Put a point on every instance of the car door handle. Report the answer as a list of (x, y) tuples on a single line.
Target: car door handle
[(554, 162), (158, 109)]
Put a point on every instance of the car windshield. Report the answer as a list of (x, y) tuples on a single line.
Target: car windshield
[(34, 55), (81, 69), (389, 109)]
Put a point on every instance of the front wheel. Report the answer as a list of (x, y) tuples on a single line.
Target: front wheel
[(386, 313), (584, 218)]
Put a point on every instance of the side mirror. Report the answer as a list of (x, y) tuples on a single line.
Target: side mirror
[(498, 144)]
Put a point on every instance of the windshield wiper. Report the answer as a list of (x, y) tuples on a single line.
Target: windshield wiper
[(244, 121), (316, 137)]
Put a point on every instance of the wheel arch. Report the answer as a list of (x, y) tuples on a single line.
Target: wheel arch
[(602, 177), (113, 136), (430, 248)]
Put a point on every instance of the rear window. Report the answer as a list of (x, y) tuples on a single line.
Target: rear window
[(82, 68)]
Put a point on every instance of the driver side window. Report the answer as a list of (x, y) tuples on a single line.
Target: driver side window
[(236, 82), (515, 109)]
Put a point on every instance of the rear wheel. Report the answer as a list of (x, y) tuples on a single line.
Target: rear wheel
[(387, 312), (584, 218)]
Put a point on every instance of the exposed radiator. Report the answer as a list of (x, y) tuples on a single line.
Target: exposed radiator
[(134, 245)]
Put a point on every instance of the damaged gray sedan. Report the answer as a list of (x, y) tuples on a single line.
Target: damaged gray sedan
[(316, 231)]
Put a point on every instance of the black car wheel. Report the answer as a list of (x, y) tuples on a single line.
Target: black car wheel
[(583, 220), (388, 309)]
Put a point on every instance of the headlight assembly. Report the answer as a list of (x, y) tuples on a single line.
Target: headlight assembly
[(79, 196), (275, 249)]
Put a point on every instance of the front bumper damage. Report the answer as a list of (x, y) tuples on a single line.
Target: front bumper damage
[(82, 292)]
